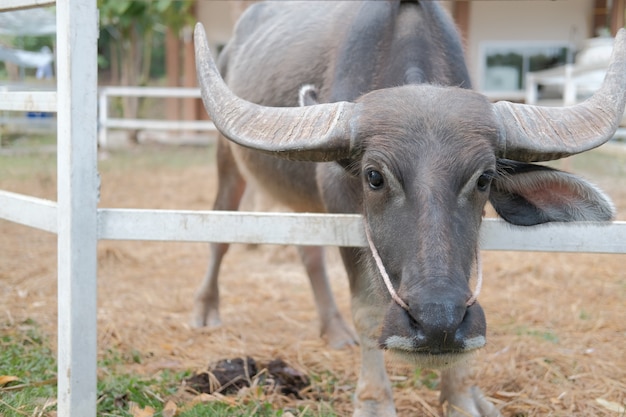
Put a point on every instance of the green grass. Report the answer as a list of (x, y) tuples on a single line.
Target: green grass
[(26, 166), (26, 355), (157, 156), (260, 409), (38, 164), (601, 162), (545, 335), (27, 141)]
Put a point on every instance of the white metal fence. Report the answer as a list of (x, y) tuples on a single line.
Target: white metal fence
[(73, 215), (77, 221), (105, 122)]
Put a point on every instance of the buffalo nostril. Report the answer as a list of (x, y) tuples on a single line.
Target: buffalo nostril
[(439, 318), (413, 322), (434, 328), (438, 327)]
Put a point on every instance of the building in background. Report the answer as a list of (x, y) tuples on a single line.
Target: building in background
[(503, 39), (507, 39)]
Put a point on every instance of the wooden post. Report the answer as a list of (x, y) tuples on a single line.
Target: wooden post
[(617, 16), (190, 105), (461, 15), (599, 18)]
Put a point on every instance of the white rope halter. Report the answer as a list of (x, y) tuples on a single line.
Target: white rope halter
[(389, 285)]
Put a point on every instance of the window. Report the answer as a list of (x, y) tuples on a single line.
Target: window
[(505, 64)]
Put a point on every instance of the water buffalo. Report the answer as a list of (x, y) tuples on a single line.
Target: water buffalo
[(399, 137)]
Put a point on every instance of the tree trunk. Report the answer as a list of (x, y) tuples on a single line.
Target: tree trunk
[(130, 77), (172, 69), (189, 77)]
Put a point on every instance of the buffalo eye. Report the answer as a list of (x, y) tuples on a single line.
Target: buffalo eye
[(375, 179), (484, 181)]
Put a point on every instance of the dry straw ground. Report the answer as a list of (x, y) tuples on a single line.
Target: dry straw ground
[(556, 322)]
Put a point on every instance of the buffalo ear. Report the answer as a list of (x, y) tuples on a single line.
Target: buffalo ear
[(527, 194)]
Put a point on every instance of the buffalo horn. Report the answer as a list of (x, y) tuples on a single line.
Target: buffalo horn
[(534, 133), (322, 132)]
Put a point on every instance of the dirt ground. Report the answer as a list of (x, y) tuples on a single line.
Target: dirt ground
[(556, 322)]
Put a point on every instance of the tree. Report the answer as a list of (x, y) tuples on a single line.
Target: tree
[(127, 30)]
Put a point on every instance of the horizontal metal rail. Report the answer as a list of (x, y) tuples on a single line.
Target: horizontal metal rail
[(8, 5), (158, 124), (29, 211), (584, 237), (105, 122), (176, 92), (36, 101), (340, 230), (303, 228), (232, 227)]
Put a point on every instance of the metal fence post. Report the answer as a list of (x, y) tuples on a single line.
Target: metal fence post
[(77, 195)]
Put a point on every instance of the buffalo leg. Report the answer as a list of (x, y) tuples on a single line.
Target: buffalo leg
[(231, 186), (333, 327), (461, 397), (373, 396)]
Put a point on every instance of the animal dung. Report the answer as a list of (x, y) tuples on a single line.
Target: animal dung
[(228, 376)]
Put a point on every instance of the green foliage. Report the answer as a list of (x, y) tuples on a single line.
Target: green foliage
[(28, 43), (140, 26), (124, 14), (175, 14), (132, 36)]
